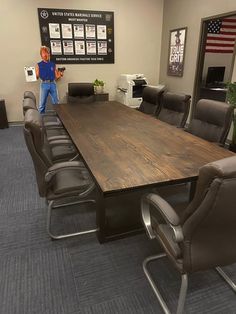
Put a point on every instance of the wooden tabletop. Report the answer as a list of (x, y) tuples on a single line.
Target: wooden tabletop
[(126, 149)]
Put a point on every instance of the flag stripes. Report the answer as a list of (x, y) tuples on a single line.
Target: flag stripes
[(221, 36)]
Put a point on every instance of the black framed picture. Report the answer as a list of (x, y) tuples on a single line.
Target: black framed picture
[(176, 51), (77, 36)]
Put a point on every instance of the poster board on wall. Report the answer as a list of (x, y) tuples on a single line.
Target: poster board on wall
[(177, 51), (77, 36)]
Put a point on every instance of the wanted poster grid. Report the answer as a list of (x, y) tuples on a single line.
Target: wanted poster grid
[(78, 36)]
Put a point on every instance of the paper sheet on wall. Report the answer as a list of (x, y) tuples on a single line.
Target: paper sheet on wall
[(78, 30), (102, 47), (30, 74), (68, 47), (66, 30), (55, 47), (91, 47), (54, 30), (90, 30), (101, 32), (79, 47)]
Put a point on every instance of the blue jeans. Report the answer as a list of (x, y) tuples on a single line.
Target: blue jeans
[(46, 89)]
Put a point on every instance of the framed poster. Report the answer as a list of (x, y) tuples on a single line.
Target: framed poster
[(176, 51), (77, 36)]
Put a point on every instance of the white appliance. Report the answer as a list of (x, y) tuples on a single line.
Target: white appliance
[(130, 88)]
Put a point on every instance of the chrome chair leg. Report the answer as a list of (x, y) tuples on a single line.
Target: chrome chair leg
[(182, 293), (183, 289), (226, 278), (57, 237)]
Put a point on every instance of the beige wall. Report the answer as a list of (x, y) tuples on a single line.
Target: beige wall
[(188, 13), (138, 29)]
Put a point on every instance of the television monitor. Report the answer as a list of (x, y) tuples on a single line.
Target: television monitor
[(215, 76)]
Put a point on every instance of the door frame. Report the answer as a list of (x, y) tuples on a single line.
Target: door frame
[(201, 55)]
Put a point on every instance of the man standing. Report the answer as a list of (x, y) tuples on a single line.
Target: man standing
[(47, 72)]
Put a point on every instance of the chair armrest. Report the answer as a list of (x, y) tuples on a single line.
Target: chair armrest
[(165, 210), (62, 166), (52, 124), (60, 142), (57, 137), (76, 165)]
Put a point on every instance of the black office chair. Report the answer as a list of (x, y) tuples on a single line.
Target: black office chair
[(174, 108), (31, 95), (204, 236), (58, 148), (50, 116), (62, 184), (81, 93), (53, 127), (211, 120), (151, 100)]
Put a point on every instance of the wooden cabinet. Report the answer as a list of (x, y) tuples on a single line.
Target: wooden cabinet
[(102, 97)]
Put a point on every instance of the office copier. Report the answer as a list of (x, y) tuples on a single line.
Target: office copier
[(130, 88)]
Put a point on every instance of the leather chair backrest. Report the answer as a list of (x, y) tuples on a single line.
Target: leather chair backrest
[(212, 120), (34, 141), (80, 92), (174, 108), (28, 103), (38, 146), (29, 94), (210, 219), (151, 100)]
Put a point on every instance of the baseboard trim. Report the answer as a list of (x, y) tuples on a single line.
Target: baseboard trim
[(16, 123)]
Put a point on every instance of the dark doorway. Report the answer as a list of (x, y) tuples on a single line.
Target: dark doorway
[(216, 57)]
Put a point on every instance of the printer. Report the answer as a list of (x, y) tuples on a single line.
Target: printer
[(130, 89)]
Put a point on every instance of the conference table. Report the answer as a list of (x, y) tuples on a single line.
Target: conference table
[(128, 152)]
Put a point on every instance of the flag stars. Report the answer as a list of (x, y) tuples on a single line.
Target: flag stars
[(214, 26)]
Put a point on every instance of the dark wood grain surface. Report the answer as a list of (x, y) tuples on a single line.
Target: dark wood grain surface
[(125, 148)]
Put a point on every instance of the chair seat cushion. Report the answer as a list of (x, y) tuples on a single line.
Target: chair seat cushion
[(69, 182), (55, 132), (48, 118), (62, 152)]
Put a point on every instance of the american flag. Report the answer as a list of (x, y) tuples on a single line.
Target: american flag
[(221, 35)]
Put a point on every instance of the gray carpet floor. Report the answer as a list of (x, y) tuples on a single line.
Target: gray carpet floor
[(79, 275)]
